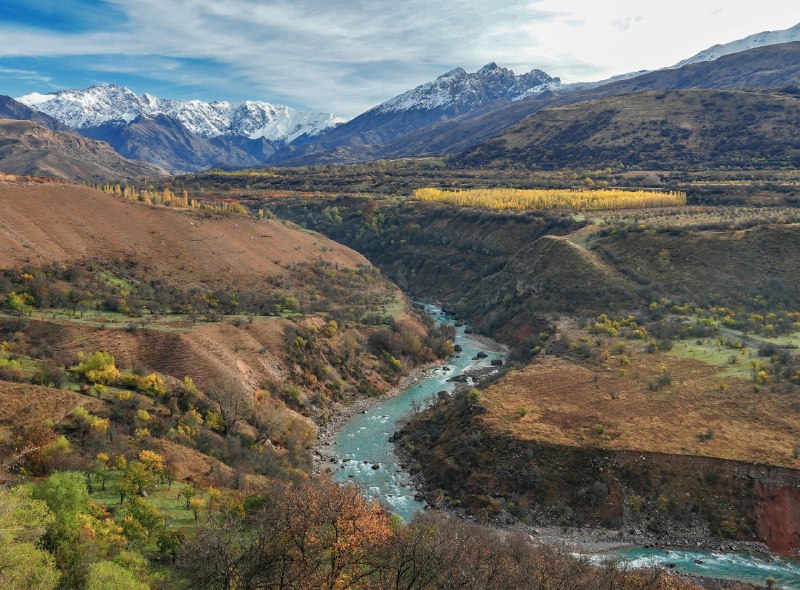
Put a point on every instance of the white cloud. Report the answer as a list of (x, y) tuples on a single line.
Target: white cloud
[(346, 56)]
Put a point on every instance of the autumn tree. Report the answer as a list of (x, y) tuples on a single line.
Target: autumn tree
[(23, 522)]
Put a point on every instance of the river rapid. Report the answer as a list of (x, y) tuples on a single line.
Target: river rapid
[(364, 453)]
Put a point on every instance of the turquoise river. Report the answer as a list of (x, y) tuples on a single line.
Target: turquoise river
[(363, 443)]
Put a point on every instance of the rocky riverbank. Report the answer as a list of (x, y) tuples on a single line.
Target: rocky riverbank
[(324, 454)]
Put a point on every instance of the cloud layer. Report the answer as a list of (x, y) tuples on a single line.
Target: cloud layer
[(349, 55)]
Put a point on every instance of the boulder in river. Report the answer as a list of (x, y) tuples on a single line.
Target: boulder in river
[(458, 379), (481, 355), (497, 363), (457, 348)]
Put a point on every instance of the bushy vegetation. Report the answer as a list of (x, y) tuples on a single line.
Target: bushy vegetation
[(580, 200), (318, 535)]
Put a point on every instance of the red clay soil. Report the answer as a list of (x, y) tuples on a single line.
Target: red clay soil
[(45, 222), (778, 513)]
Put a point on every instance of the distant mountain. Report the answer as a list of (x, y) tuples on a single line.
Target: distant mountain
[(105, 103), (453, 94), (166, 142), (458, 91), (28, 148), (775, 66), (365, 137), (656, 130), (445, 116), (753, 41), (180, 135)]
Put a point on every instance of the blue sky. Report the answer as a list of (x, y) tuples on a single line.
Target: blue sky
[(345, 56)]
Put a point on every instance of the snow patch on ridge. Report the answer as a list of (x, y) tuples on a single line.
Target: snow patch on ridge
[(108, 103)]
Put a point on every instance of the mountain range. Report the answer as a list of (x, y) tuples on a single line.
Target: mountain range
[(109, 103), (446, 116)]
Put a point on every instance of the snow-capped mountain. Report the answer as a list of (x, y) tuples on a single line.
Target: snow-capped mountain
[(461, 91), (109, 103), (376, 132), (751, 42)]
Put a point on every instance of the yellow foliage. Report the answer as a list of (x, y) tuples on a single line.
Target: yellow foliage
[(97, 367), (526, 199), (152, 460)]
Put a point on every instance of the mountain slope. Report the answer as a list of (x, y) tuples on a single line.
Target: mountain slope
[(29, 149), (166, 142), (12, 109), (775, 66), (450, 95), (216, 253), (365, 137), (654, 130), (762, 39)]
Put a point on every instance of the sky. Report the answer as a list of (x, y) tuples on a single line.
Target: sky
[(345, 56)]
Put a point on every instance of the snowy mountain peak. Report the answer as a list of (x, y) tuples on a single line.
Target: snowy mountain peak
[(751, 42), (458, 91), (454, 73), (109, 103)]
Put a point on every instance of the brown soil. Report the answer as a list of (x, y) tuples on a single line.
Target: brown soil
[(571, 404), (205, 352), (31, 149), (42, 223), (23, 405)]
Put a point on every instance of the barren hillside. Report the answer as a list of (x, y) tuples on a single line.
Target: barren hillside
[(29, 148)]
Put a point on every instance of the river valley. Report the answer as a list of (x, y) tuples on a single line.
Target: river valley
[(363, 452)]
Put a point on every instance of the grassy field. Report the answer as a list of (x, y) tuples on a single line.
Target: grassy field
[(167, 500), (689, 400), (730, 362)]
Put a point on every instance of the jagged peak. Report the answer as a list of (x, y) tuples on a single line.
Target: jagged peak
[(490, 67), (459, 91), (454, 73)]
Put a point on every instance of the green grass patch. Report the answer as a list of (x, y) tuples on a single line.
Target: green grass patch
[(710, 352), (167, 501)]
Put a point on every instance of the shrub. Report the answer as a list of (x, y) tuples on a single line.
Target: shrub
[(97, 367), (473, 397), (10, 370)]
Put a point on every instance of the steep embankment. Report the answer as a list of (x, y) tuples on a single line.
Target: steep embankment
[(723, 264), (430, 251), (594, 437), (29, 148), (176, 274), (504, 271)]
